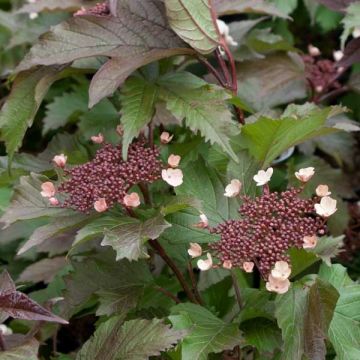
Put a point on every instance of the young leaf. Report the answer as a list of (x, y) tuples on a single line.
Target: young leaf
[(27, 351), (27, 202), (19, 110), (127, 236), (328, 247), (344, 331), (193, 22), (304, 314), (350, 21), (138, 107), (207, 333), (133, 340), (202, 106), (267, 138), (351, 53)]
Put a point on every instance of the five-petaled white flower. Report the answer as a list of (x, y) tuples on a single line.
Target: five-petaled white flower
[(277, 285), (98, 139), (327, 207), (248, 266), (310, 242), (304, 175), (224, 31), (204, 265), (165, 137), (233, 189), (48, 189), (322, 190), (132, 200), (100, 205), (227, 264), (263, 177), (174, 160), (281, 270), (60, 160), (173, 177), (194, 250)]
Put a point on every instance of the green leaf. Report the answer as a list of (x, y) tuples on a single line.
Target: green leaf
[(202, 106), (328, 247), (267, 138), (304, 314), (133, 340), (193, 22), (179, 203), (27, 202), (208, 334), (277, 79), (344, 332), (19, 110), (51, 5), (127, 236), (27, 351), (286, 7), (138, 107), (350, 21), (354, 82)]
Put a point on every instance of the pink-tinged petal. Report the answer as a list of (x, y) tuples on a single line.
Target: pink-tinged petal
[(100, 205), (277, 285), (248, 266), (165, 137), (263, 177), (309, 242), (120, 130), (203, 223), (327, 207), (98, 139), (194, 250), (173, 177), (313, 51), (54, 201), (48, 189), (205, 265), (304, 175), (233, 189), (60, 160), (132, 200), (174, 160), (322, 190), (281, 270), (227, 264)]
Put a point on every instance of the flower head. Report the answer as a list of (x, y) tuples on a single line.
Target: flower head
[(233, 189), (165, 137), (132, 200), (203, 223), (100, 205), (174, 160), (327, 207), (248, 266), (310, 242), (322, 190), (277, 285), (98, 139), (204, 265), (194, 250), (173, 177), (263, 177), (304, 175), (227, 264), (60, 160), (48, 189), (281, 270)]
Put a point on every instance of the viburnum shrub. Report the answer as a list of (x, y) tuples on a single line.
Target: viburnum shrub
[(175, 179)]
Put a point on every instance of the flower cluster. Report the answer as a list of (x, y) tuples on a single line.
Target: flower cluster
[(105, 181)]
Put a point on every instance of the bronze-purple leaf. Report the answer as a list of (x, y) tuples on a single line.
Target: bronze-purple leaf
[(6, 283), (351, 53)]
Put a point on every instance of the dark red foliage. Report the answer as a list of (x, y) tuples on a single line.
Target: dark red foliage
[(270, 224), (108, 176)]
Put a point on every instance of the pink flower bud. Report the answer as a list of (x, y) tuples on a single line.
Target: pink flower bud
[(304, 175), (248, 266), (227, 264), (194, 250), (310, 242), (173, 177), (98, 139), (174, 160), (54, 201), (132, 200), (60, 160), (100, 205), (165, 137), (322, 190), (48, 189)]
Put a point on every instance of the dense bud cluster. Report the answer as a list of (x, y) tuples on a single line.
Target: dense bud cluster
[(321, 73), (270, 224), (100, 9), (109, 177)]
